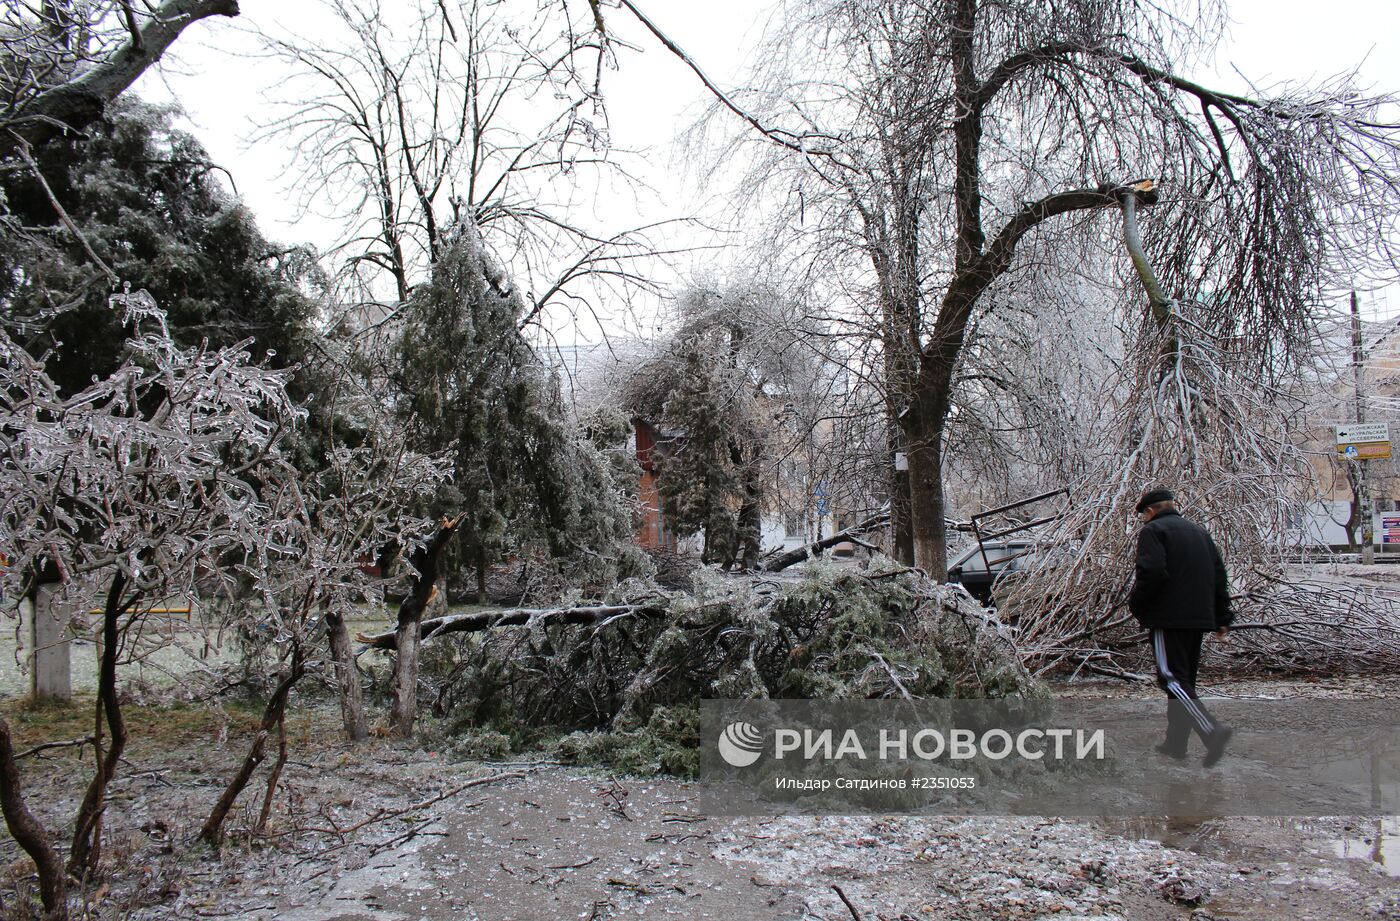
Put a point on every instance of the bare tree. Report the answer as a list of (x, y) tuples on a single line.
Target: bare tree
[(410, 118), (1030, 406), (1189, 407), (434, 129), (172, 472), (941, 137), (361, 511)]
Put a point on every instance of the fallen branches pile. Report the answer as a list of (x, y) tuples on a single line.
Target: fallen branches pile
[(836, 634), (1192, 417), (1289, 623)]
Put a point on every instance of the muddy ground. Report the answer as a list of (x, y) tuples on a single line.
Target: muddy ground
[(561, 845), (546, 841)]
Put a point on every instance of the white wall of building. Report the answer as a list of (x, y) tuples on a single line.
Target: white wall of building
[(1324, 524)]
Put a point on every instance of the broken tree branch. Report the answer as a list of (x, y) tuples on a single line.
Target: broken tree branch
[(847, 902), (22, 148), (478, 621), (77, 103), (45, 746), (806, 551), (380, 815)]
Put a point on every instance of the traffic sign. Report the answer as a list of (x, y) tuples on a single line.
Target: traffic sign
[(1363, 440), (1353, 432)]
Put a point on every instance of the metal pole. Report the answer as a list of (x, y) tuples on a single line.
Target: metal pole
[(1363, 492)]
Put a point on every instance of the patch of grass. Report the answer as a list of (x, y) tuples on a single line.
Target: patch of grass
[(34, 722)]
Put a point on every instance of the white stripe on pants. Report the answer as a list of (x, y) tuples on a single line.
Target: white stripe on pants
[(1174, 688)]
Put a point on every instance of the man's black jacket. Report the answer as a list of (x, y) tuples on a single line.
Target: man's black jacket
[(1181, 579)]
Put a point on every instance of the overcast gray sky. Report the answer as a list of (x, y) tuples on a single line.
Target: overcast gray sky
[(654, 96)]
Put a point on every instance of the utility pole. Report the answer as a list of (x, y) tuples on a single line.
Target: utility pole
[(1363, 493)]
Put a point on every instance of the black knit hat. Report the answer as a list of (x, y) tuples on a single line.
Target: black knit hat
[(1153, 496)]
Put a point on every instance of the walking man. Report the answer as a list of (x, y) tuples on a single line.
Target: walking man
[(1180, 594)]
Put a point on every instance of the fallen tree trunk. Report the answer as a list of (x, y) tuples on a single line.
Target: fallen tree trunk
[(478, 621), (801, 554)]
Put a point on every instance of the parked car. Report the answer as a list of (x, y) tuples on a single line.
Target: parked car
[(981, 566)]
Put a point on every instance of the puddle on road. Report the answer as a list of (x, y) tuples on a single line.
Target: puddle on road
[(1277, 841), (1377, 841), (1199, 835)]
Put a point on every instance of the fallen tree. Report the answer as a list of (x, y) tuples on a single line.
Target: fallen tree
[(643, 657), (1186, 411)]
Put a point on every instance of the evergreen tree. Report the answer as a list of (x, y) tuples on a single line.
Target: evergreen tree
[(608, 429), (700, 483), (469, 382), (722, 384), (147, 200)]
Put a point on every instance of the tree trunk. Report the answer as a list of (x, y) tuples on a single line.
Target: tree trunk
[(1352, 524), (750, 532), (426, 561), (707, 549), (275, 775), (347, 676), (902, 528), (81, 101), (405, 706), (87, 825), (749, 540), (477, 621), (901, 517), (807, 551), (275, 711), (30, 835), (926, 496)]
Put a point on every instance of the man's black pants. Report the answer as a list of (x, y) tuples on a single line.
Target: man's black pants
[(1178, 655)]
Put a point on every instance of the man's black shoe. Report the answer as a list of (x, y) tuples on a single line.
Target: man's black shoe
[(1176, 754), (1215, 745)]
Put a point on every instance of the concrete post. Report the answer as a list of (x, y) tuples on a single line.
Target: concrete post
[(50, 641)]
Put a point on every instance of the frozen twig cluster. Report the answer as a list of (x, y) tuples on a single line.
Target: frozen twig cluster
[(172, 476)]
